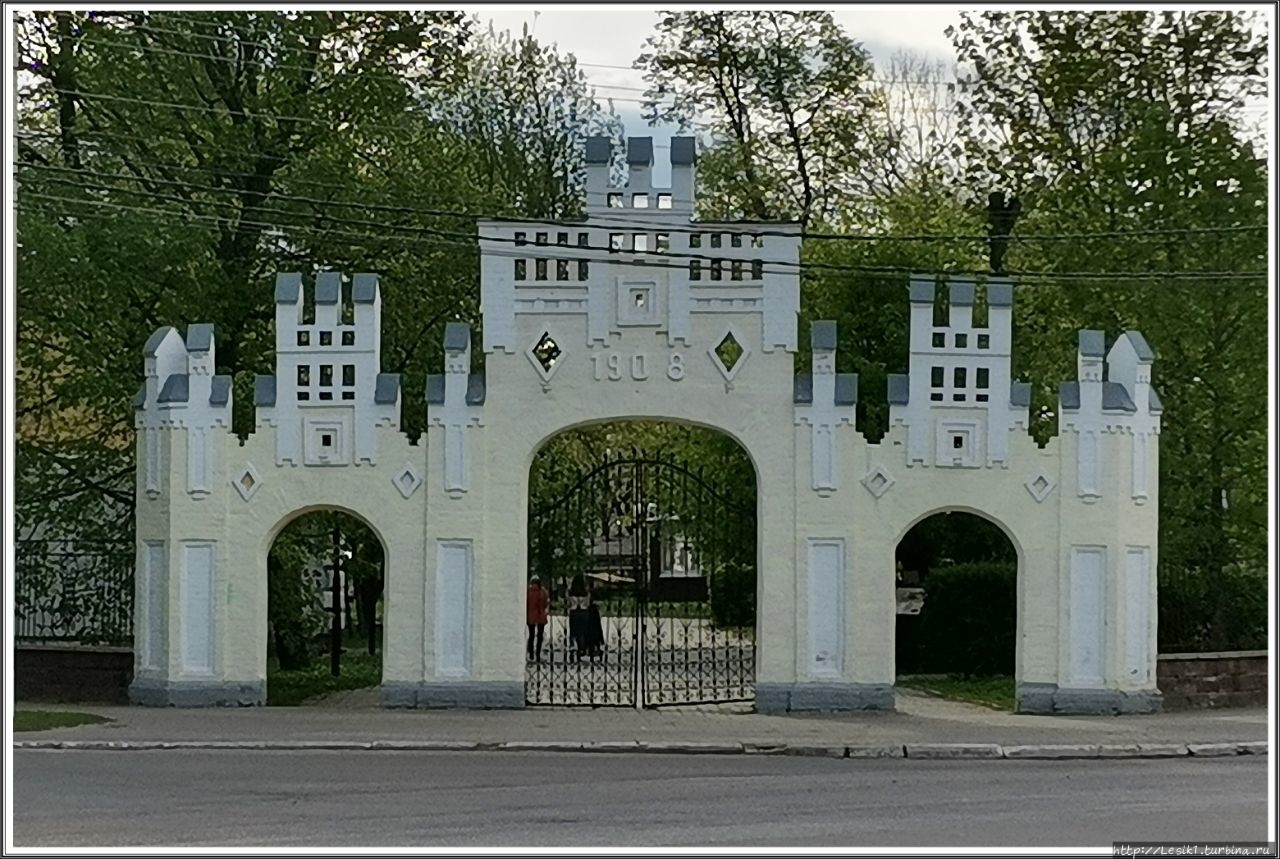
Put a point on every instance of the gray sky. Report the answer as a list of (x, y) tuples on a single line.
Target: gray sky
[(614, 36)]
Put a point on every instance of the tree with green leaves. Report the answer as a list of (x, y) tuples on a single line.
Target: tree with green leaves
[(170, 163), (1132, 126)]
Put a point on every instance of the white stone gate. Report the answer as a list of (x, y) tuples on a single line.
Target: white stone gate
[(619, 317)]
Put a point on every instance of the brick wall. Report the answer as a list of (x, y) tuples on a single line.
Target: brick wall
[(1194, 680), (50, 673)]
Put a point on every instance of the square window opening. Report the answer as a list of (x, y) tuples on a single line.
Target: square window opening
[(521, 270), (984, 377), (664, 201), (736, 269), (522, 238), (695, 240), (562, 269), (939, 340), (984, 341), (348, 338), (715, 240), (716, 269), (936, 377), (326, 338), (348, 375), (615, 201), (757, 269), (615, 241), (540, 238), (326, 375), (540, 269), (562, 238), (639, 201), (962, 341), (348, 395), (961, 377), (695, 269), (662, 242), (304, 338), (735, 240)]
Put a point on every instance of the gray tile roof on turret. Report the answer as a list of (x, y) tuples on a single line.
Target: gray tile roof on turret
[(476, 389), (364, 288), (140, 398), (999, 294), (386, 388), (288, 287), (802, 390), (175, 389), (435, 389), (264, 390), (457, 336), (1093, 343), (846, 389), (899, 389), (639, 151), (599, 150), (1141, 347), (200, 337), (822, 335), (683, 151), (219, 390), (922, 290), (154, 341), (1116, 399), (961, 293), (1153, 402), (1020, 394), (328, 287)]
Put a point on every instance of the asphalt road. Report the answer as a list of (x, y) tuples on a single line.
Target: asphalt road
[(227, 798)]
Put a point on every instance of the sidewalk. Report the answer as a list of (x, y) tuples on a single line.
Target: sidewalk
[(355, 721)]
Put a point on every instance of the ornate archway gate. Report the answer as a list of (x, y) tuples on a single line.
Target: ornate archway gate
[(633, 313), (668, 560)]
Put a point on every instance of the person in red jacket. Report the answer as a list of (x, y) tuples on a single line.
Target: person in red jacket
[(536, 617)]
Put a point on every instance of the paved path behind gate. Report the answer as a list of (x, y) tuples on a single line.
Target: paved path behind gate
[(919, 719)]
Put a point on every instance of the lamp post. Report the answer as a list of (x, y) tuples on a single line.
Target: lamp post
[(335, 624)]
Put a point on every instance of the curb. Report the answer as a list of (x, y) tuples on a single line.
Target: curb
[(914, 751)]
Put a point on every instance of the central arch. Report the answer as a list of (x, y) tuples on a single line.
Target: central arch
[(646, 566)]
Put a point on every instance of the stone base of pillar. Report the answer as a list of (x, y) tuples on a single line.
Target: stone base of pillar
[(204, 693), (1049, 699), (459, 695), (822, 697)]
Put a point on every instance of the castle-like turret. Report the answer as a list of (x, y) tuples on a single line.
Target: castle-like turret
[(959, 402), (327, 394)]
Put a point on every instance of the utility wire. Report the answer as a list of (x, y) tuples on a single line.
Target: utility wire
[(636, 222), (622, 257)]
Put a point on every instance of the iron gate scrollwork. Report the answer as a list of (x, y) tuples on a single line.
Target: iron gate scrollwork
[(669, 562)]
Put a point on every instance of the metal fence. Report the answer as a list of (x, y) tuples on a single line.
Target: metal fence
[(74, 591)]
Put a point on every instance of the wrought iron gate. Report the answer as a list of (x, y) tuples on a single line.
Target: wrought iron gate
[(668, 562)]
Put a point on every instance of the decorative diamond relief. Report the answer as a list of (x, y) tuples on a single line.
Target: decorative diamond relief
[(1040, 486), (407, 479), (729, 355), (877, 481), (546, 356), (247, 481)]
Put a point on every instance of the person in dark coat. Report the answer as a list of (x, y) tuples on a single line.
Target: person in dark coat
[(579, 615), (595, 630)]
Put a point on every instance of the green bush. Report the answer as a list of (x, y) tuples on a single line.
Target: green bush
[(968, 624), (733, 595), (1212, 610)]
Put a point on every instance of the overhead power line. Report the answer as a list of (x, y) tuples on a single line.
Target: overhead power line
[(635, 222), (657, 260)]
